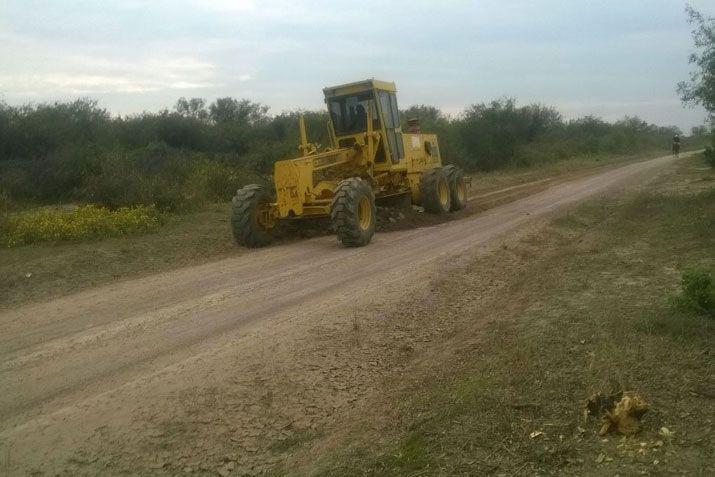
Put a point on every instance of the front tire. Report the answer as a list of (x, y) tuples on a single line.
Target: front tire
[(353, 212), (245, 216), (434, 191), (457, 187)]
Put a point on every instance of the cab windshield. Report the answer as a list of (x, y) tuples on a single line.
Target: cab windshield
[(349, 113)]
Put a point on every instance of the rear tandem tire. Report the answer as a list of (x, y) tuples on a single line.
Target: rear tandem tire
[(244, 220), (434, 191), (353, 212), (457, 187)]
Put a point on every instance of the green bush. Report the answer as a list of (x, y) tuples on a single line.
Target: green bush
[(5, 201), (217, 182), (697, 292), (199, 152), (710, 156), (172, 180), (144, 176), (80, 223)]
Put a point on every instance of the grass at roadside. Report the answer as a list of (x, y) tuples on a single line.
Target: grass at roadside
[(510, 177), (43, 271), (75, 224), (592, 312)]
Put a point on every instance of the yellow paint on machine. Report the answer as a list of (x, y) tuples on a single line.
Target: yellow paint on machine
[(377, 151)]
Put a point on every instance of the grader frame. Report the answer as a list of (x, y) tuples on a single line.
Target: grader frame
[(368, 157)]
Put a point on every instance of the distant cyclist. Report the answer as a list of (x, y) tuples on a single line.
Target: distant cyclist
[(676, 145)]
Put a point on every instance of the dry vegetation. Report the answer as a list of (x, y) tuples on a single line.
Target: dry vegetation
[(591, 309)]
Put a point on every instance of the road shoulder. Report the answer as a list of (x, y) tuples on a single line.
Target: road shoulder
[(532, 330)]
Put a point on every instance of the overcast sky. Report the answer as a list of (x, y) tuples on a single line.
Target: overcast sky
[(607, 58)]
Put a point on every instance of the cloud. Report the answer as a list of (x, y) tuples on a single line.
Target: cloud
[(224, 6), (88, 75), (589, 56)]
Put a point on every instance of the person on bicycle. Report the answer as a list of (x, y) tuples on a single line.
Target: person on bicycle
[(676, 145)]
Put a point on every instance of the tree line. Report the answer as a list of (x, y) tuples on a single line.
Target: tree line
[(199, 152)]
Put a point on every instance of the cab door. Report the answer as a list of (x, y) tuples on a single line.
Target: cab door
[(391, 118)]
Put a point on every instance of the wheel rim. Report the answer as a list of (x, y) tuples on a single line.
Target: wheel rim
[(262, 216), (443, 191), (460, 190), (364, 213)]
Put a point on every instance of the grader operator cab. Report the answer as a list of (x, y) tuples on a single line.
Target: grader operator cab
[(368, 158)]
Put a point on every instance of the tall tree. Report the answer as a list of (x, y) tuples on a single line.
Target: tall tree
[(225, 110), (192, 108), (700, 89)]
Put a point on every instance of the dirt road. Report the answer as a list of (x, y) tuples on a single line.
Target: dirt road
[(211, 368)]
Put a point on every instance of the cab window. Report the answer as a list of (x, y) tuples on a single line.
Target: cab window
[(349, 113)]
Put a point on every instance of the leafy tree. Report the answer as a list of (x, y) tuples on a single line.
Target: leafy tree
[(699, 130), (430, 117), (225, 110), (700, 89), (194, 108), (491, 135)]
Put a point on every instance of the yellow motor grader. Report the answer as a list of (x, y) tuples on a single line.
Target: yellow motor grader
[(368, 158)]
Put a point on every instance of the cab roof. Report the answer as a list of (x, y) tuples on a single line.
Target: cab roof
[(359, 86)]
